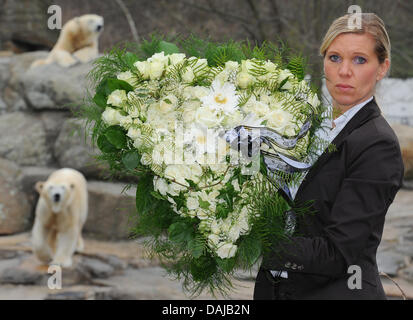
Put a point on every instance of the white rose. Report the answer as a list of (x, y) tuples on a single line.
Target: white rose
[(227, 250), (176, 58), (178, 173), (260, 108), (215, 227), (198, 64), (235, 184), (244, 79), (111, 116), (247, 65), (143, 68), (174, 189), (232, 66), (156, 69), (278, 119), (284, 74), (146, 159), (196, 172), (117, 97), (202, 214), (168, 103), (270, 66), (126, 121), (160, 185), (159, 57), (188, 114), (232, 120), (192, 203), (162, 153), (234, 233), (208, 117), (218, 168), (188, 76), (128, 77), (213, 240)]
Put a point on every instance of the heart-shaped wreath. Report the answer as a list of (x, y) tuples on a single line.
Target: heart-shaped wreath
[(213, 134)]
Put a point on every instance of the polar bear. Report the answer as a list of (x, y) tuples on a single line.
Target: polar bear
[(78, 41), (61, 212)]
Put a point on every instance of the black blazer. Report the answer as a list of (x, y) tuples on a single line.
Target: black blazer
[(352, 189)]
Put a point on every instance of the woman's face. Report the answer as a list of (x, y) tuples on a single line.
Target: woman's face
[(352, 69)]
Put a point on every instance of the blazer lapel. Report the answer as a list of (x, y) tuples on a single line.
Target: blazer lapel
[(369, 111)]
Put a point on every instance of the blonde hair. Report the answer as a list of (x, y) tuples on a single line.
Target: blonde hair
[(370, 23)]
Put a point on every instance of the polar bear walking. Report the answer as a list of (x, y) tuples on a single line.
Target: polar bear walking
[(78, 41), (60, 215)]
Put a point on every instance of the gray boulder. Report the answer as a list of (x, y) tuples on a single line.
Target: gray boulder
[(72, 149), (15, 210), (49, 86), (111, 212), (23, 139)]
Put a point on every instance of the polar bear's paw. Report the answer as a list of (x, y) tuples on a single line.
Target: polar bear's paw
[(65, 263)]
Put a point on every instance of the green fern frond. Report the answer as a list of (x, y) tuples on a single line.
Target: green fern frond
[(296, 66)]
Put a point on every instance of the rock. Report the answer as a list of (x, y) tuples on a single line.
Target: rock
[(20, 276), (3, 106), (405, 136), (114, 294), (31, 175), (8, 254), (23, 140), (4, 72), (97, 268), (49, 86), (14, 101), (407, 273), (53, 122), (70, 295), (25, 24), (15, 211), (74, 151), (389, 262), (110, 212)]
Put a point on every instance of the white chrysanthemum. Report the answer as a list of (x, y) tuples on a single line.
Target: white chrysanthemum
[(222, 97)]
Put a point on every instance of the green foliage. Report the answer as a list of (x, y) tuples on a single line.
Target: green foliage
[(116, 136), (217, 55), (131, 159), (296, 66)]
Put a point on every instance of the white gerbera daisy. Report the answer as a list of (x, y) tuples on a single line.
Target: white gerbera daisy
[(222, 97)]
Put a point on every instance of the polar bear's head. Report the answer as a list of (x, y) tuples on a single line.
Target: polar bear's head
[(57, 195), (91, 23)]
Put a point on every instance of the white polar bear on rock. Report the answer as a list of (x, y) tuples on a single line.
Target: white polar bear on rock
[(60, 215), (78, 41)]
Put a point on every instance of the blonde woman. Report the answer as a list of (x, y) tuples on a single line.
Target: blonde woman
[(332, 255)]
